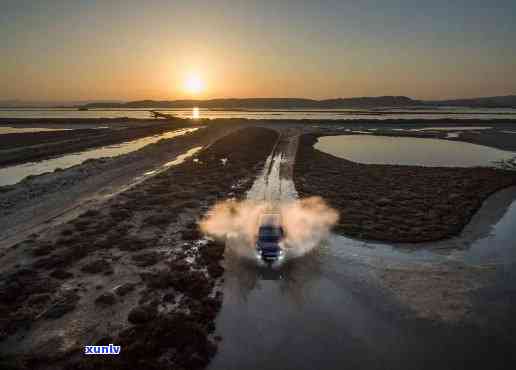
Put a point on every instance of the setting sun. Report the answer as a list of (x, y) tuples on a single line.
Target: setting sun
[(194, 84)]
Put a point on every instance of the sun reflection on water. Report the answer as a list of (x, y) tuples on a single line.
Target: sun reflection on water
[(196, 113)]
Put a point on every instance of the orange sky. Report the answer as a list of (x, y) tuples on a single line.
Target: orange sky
[(102, 50)]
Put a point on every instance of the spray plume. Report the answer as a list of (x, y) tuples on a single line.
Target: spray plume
[(306, 222)]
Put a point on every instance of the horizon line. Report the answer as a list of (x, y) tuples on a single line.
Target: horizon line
[(115, 100)]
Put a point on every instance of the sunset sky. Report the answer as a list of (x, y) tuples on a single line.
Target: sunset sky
[(129, 50)]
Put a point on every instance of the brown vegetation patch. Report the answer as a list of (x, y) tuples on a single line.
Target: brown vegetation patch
[(396, 203)]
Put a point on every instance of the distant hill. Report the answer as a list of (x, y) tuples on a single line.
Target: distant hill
[(508, 101), (14, 103), (267, 103)]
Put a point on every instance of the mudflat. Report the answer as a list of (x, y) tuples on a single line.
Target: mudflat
[(109, 251), (134, 271)]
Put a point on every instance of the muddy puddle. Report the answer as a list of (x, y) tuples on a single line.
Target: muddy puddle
[(272, 186), (370, 149), (13, 174), (343, 302), (138, 179), (489, 237)]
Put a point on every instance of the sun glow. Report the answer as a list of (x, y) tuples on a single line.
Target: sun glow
[(194, 84)]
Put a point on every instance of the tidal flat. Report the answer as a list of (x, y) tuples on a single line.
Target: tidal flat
[(109, 251)]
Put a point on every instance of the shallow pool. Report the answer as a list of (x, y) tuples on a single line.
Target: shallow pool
[(13, 174), (410, 151), (23, 130)]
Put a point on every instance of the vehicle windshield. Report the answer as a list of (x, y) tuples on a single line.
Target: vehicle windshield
[(269, 234)]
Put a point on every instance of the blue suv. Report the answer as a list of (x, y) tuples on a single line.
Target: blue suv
[(270, 237)]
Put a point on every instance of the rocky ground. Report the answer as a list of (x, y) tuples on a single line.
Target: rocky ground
[(134, 272), (395, 203)]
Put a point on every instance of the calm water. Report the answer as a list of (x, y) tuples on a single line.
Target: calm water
[(21, 130), (326, 114), (410, 151), (13, 174)]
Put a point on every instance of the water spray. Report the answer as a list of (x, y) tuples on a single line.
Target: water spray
[(305, 223)]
